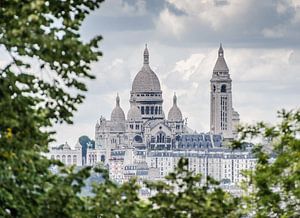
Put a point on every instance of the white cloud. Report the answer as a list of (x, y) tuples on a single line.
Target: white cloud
[(210, 12), (170, 23), (274, 32), (119, 8)]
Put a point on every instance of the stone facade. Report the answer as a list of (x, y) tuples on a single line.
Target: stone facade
[(223, 118), (66, 155), (147, 145)]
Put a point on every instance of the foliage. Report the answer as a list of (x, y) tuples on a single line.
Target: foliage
[(183, 196), (274, 187), (179, 196), (43, 83)]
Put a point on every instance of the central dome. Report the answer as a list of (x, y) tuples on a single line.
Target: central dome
[(146, 80)]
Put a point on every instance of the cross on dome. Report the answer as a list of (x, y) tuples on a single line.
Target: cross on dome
[(146, 55), (175, 99), (221, 51), (118, 100)]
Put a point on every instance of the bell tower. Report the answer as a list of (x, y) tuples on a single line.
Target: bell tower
[(221, 98)]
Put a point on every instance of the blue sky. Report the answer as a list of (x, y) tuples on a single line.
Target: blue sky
[(261, 40)]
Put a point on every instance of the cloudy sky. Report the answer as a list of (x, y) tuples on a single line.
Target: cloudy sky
[(261, 40)]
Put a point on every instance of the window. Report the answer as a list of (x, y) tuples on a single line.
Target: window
[(147, 109), (138, 139), (223, 88), (152, 110), (156, 110), (63, 159), (75, 159), (214, 88), (160, 138), (142, 110), (69, 161), (102, 158)]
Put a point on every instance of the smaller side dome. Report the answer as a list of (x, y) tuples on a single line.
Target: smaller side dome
[(174, 113), (78, 146), (117, 115), (134, 113), (66, 146)]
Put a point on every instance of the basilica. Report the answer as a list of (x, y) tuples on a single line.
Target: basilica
[(147, 143), (146, 122)]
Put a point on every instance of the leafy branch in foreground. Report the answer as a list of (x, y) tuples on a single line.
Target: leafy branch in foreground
[(183, 196), (42, 83), (273, 189)]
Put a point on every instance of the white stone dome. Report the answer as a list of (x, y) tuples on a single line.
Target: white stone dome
[(66, 146), (117, 115), (174, 113), (134, 113), (146, 80)]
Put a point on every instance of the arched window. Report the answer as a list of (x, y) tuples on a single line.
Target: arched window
[(223, 88), (69, 160), (75, 159), (57, 157), (160, 138), (52, 157), (102, 158), (63, 159), (142, 110)]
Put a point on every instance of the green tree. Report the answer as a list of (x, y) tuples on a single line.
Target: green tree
[(182, 195), (43, 83), (273, 188)]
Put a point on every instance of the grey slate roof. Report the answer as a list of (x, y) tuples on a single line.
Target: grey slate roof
[(221, 65)]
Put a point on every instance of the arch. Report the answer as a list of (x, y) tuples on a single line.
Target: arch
[(69, 160), (142, 110), (223, 88), (160, 137), (63, 159)]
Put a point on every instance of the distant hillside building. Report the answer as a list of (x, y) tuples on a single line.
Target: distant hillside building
[(147, 144)]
